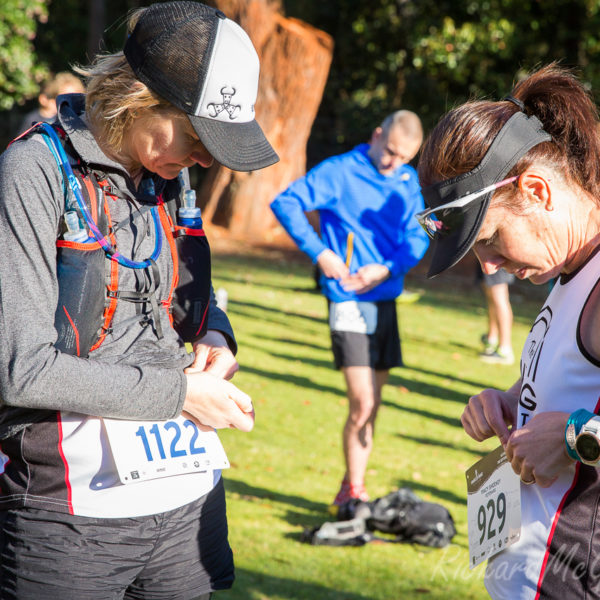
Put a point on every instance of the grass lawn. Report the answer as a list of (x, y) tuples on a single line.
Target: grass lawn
[(286, 472)]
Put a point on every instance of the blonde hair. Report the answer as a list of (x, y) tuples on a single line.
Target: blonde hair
[(61, 81), (115, 97)]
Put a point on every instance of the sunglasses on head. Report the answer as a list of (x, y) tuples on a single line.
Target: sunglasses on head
[(445, 219)]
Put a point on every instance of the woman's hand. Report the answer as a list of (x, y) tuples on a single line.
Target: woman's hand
[(537, 450), (217, 403), (212, 355), (211, 400), (489, 413)]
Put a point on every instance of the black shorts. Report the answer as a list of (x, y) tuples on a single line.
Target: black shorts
[(500, 276), (181, 554), (379, 350)]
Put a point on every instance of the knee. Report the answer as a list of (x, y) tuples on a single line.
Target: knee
[(361, 413)]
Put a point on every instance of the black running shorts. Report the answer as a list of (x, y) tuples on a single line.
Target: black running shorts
[(181, 554), (379, 350)]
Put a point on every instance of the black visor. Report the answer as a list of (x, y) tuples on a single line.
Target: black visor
[(458, 229)]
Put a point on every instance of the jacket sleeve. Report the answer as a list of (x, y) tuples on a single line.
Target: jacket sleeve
[(317, 190), (33, 373), (218, 321), (413, 241)]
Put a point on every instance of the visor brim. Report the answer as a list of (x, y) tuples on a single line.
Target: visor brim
[(450, 249)]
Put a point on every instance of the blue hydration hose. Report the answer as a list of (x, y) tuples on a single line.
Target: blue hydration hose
[(63, 163)]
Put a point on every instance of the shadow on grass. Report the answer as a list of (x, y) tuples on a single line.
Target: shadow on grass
[(259, 585), (428, 389), (437, 493), (301, 382), (269, 313), (309, 288), (450, 344), (315, 362), (434, 416), (427, 441), (477, 384), (303, 344), (250, 492)]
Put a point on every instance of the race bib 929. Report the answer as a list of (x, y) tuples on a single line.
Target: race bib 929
[(493, 506)]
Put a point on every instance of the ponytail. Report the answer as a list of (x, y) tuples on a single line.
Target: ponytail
[(556, 97), (568, 113)]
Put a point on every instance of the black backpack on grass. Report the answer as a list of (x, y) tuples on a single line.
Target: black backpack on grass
[(401, 513), (411, 519)]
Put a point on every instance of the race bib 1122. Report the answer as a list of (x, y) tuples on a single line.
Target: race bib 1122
[(147, 450)]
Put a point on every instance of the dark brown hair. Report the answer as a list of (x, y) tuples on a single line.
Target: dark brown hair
[(554, 95)]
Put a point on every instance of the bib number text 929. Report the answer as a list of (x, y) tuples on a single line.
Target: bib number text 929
[(178, 442), (486, 517)]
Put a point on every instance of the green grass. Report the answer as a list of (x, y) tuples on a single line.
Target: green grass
[(285, 472)]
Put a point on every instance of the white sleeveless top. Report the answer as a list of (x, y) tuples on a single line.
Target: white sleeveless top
[(556, 376)]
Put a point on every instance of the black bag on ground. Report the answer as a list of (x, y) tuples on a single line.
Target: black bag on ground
[(401, 512), (411, 519), (342, 533)]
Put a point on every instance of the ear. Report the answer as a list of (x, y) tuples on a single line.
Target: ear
[(43, 100), (377, 133), (535, 186)]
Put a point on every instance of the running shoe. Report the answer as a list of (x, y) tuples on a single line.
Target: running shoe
[(348, 492), (500, 356)]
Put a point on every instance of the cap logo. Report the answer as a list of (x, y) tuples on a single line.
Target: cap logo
[(214, 109)]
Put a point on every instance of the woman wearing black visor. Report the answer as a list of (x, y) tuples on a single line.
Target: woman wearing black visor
[(518, 181)]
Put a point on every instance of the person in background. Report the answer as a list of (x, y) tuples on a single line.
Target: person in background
[(61, 83), (369, 240), (110, 466), (497, 342), (518, 180)]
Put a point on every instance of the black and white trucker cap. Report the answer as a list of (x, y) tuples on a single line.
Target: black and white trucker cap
[(205, 64)]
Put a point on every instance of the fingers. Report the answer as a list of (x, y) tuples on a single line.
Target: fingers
[(244, 417), (332, 265), (355, 283), (485, 417), (242, 400), (218, 403), (199, 425), (244, 421), (200, 357), (212, 354), (222, 364)]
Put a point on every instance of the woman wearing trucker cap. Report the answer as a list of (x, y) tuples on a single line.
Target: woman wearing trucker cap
[(518, 181), (110, 481)]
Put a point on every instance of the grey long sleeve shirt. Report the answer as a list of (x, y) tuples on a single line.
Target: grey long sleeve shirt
[(133, 374)]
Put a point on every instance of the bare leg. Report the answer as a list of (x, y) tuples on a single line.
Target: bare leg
[(364, 387), (503, 314), (492, 331)]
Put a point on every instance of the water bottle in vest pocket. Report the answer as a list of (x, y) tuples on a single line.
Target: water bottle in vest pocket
[(191, 296), (81, 265)]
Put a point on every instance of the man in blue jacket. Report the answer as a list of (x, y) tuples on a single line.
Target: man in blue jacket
[(366, 199)]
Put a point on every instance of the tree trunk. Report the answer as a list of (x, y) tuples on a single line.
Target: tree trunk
[(97, 24), (295, 59)]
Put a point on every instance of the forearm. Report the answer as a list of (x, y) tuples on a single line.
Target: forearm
[(49, 379)]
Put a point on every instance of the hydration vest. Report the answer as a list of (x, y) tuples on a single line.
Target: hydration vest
[(88, 271)]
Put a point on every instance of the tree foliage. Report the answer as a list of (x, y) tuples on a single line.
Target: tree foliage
[(433, 54), (426, 55), (20, 72)]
